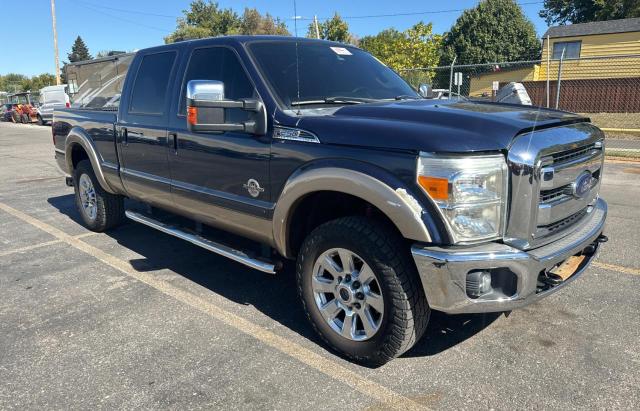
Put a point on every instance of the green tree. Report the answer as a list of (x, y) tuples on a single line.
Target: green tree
[(584, 11), (415, 47), (207, 19), (334, 29), (493, 31), (79, 51), (41, 80), (254, 23), (13, 82), (204, 19)]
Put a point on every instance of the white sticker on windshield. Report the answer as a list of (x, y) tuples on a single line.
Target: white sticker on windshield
[(341, 51)]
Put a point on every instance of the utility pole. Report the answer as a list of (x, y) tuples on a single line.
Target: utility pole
[(315, 23), (55, 40)]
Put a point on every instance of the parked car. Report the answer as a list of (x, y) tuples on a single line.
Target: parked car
[(6, 112), (51, 97), (389, 204)]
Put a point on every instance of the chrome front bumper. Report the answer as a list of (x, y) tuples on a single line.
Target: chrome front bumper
[(443, 270)]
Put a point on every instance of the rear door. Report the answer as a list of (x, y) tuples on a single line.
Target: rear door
[(142, 129)]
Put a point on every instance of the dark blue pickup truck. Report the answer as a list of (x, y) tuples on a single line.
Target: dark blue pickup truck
[(268, 149)]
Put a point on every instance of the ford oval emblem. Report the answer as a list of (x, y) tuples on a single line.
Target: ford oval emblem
[(582, 186)]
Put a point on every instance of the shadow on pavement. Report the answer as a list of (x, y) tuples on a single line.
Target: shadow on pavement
[(274, 295)]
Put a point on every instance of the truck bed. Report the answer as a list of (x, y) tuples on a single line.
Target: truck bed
[(98, 123)]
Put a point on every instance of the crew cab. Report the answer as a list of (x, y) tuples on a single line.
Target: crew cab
[(391, 204)]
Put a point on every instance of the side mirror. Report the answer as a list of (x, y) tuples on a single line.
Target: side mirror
[(425, 90), (206, 107)]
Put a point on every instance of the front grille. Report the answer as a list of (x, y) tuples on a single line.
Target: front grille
[(546, 169), (547, 196), (564, 156), (563, 192)]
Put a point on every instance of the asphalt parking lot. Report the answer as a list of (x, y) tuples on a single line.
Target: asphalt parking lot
[(137, 319)]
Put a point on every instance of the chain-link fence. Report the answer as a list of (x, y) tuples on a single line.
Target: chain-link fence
[(605, 89)]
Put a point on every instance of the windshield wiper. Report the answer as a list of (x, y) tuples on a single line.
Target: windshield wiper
[(406, 97), (334, 100)]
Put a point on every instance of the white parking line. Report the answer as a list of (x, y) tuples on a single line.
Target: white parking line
[(387, 397), (28, 248), (40, 245)]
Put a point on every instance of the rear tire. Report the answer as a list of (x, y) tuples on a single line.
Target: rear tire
[(24, 118), (99, 210), (398, 313)]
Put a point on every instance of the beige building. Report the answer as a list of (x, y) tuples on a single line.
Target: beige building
[(597, 50)]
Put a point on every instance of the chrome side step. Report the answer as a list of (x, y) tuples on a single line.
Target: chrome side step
[(200, 241)]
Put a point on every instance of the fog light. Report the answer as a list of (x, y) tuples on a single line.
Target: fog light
[(478, 283)]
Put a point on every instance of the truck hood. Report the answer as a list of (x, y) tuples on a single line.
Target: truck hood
[(432, 125)]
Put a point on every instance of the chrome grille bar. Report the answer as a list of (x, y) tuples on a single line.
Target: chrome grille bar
[(579, 152)]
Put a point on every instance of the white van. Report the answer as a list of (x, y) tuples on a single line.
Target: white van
[(52, 97)]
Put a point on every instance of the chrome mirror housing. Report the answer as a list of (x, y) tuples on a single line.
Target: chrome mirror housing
[(205, 90), (425, 90), (206, 107)]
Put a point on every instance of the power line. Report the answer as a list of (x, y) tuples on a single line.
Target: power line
[(144, 13), (355, 17), (137, 23), (97, 9), (415, 13)]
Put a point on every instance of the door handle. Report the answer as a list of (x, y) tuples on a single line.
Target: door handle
[(125, 136), (174, 137)]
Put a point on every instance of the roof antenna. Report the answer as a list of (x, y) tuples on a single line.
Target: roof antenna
[(295, 29)]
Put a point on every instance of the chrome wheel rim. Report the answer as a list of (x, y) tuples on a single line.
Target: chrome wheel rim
[(347, 294), (87, 197)]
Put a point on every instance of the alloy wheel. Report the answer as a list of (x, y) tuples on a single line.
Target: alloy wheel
[(87, 197), (347, 294)]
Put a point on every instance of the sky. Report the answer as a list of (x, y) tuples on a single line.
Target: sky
[(135, 24)]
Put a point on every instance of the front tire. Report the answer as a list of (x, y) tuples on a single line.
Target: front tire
[(360, 290), (40, 121), (99, 210)]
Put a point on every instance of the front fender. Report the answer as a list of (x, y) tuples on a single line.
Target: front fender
[(78, 136), (394, 200)]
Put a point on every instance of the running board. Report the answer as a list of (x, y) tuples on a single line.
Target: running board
[(205, 243)]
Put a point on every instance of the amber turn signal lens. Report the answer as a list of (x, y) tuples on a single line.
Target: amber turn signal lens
[(438, 188), (192, 115)]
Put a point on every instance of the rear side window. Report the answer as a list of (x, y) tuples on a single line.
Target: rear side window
[(150, 86), (219, 63)]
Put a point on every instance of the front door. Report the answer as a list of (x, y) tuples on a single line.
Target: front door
[(219, 176), (142, 131)]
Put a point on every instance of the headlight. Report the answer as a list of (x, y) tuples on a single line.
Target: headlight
[(469, 191)]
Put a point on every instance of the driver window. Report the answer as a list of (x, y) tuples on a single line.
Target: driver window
[(219, 63)]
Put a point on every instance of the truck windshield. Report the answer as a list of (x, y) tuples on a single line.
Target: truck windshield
[(328, 74)]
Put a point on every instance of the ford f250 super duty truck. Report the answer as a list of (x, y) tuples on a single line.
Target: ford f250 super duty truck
[(268, 149)]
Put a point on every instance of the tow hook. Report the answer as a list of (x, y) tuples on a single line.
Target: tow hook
[(591, 248)]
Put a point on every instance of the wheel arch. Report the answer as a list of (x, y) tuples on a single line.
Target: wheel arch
[(78, 139), (362, 181)]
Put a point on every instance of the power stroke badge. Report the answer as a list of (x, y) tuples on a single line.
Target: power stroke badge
[(253, 187)]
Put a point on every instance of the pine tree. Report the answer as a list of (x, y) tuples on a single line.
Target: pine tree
[(79, 51)]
